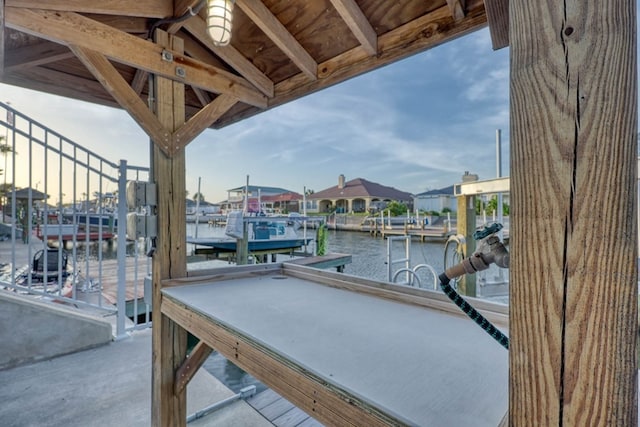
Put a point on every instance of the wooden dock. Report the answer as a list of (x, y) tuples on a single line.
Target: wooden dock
[(279, 411), (135, 271)]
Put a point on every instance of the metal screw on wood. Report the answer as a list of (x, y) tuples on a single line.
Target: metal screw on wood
[(167, 56), (181, 72)]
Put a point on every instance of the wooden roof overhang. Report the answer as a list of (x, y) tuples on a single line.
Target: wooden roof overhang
[(101, 52)]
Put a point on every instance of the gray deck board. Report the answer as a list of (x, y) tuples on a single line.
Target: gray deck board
[(280, 411), (263, 399)]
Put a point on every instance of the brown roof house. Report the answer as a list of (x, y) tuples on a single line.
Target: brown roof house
[(357, 195)]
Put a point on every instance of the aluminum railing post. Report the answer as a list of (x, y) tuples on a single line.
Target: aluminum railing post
[(122, 249)]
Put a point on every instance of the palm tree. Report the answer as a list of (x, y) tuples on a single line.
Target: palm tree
[(198, 196)]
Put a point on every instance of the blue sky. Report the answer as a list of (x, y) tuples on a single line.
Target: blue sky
[(416, 125)]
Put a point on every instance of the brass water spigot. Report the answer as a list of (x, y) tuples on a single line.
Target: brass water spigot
[(490, 250)]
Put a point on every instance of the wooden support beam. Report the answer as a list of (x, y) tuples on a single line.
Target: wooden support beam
[(2, 54), (169, 261), (574, 279), (139, 81), (457, 9), (498, 17), (71, 28), (191, 365), (147, 8), (269, 24), (115, 84), (198, 28), (358, 23), (202, 120), (466, 227)]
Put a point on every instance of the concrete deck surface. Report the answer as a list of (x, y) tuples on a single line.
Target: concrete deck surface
[(106, 386)]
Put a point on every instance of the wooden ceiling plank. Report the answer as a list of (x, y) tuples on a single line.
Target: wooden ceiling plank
[(72, 28), (269, 24), (61, 84), (203, 119), (113, 82), (198, 28), (498, 17), (145, 8), (358, 23), (457, 8), (36, 55)]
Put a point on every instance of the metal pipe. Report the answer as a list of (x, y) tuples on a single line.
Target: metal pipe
[(244, 393)]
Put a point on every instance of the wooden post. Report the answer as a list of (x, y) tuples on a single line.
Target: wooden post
[(169, 261), (466, 227), (573, 287)]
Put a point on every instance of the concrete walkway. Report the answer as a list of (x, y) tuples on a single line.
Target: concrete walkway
[(106, 386)]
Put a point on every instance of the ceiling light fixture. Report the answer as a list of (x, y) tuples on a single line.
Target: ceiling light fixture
[(219, 20)]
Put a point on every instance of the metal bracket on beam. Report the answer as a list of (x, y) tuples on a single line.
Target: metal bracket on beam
[(167, 56)]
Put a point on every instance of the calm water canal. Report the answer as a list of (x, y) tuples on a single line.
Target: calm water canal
[(369, 257)]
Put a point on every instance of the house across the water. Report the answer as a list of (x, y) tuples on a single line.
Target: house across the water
[(357, 195)]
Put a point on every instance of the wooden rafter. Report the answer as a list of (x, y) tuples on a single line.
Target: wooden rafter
[(72, 28), (203, 97), (391, 47), (147, 8), (113, 82), (282, 38), (36, 55), (139, 81), (498, 17), (458, 9), (198, 28), (358, 23)]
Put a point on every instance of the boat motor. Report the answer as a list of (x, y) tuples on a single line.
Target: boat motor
[(490, 250)]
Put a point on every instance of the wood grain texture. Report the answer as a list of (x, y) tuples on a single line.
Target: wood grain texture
[(169, 339), (147, 8), (274, 29), (72, 28), (2, 54), (358, 23), (498, 17), (574, 223)]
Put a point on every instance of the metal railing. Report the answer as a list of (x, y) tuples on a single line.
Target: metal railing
[(61, 200)]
